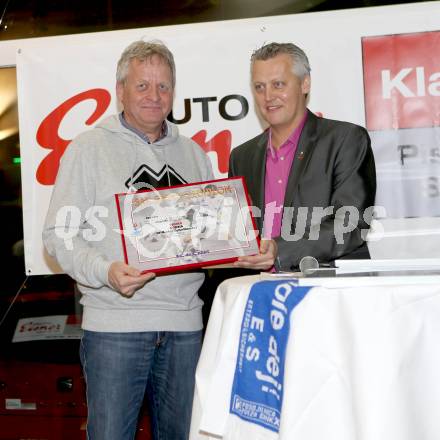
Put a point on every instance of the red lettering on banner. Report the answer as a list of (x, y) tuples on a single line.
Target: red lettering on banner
[(48, 137), (402, 80), (220, 144)]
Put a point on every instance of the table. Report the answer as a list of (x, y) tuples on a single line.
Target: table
[(362, 362)]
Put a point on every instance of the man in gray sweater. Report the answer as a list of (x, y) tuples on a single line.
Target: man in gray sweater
[(141, 333)]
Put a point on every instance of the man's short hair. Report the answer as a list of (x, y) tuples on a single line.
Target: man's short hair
[(301, 66), (142, 51)]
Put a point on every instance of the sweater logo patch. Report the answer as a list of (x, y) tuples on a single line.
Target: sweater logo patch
[(145, 178)]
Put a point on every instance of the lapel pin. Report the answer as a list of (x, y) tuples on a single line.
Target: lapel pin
[(301, 155)]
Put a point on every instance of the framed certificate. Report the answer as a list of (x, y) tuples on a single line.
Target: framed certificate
[(187, 226)]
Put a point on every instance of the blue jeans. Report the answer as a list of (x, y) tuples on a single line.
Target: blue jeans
[(120, 367)]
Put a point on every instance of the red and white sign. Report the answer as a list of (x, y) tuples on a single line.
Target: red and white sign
[(402, 97), (402, 80), (47, 327)]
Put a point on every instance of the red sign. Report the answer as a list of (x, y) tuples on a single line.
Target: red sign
[(402, 80)]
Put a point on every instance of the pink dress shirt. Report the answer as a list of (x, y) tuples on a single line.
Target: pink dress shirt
[(278, 165)]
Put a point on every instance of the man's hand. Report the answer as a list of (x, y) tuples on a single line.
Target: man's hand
[(264, 260), (126, 279)]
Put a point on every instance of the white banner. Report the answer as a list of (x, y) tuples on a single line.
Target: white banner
[(66, 84)]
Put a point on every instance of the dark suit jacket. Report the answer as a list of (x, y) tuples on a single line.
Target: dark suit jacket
[(333, 167)]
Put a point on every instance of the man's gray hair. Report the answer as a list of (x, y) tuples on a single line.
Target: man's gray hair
[(301, 66), (142, 51)]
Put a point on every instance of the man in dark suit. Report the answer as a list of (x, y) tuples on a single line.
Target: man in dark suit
[(312, 179)]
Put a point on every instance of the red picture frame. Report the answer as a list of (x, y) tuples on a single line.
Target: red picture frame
[(187, 226)]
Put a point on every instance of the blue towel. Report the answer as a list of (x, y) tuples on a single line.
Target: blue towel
[(257, 390)]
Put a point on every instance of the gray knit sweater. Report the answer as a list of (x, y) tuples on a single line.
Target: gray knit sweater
[(96, 165)]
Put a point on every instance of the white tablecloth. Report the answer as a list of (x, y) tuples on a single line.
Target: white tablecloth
[(362, 363)]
